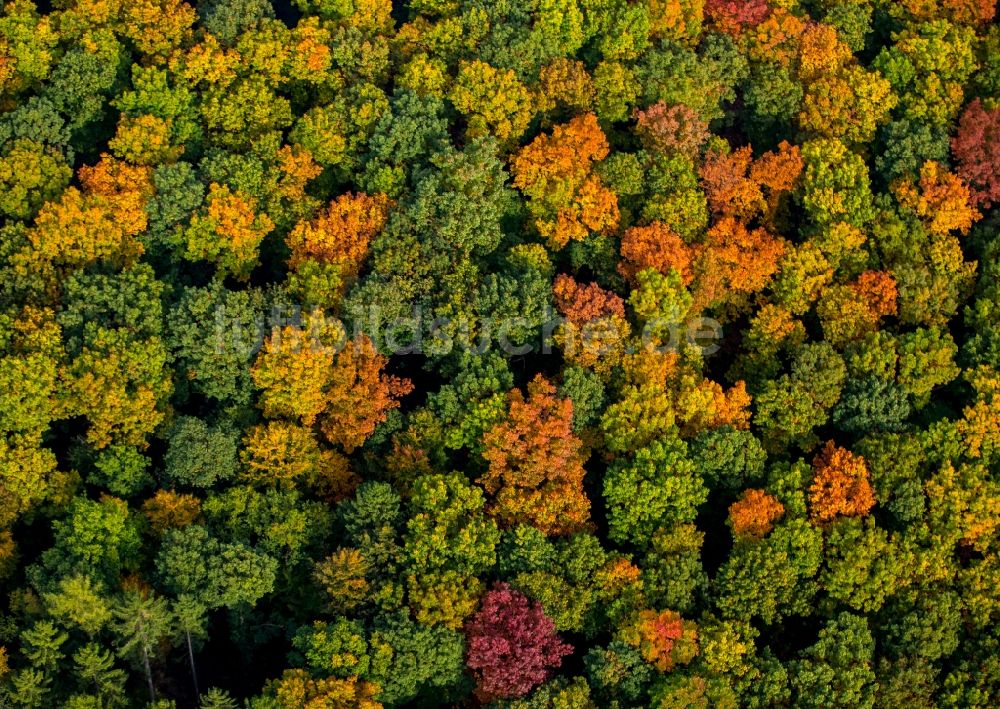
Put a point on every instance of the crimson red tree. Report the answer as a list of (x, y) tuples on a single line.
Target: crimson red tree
[(977, 150), (512, 645), (732, 15)]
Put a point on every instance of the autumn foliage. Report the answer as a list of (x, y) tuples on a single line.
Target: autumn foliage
[(728, 186), (342, 233), (297, 688), (531, 354), (841, 485), (293, 372), (303, 376), (754, 514), (512, 644), (877, 289), (655, 246), (95, 223), (536, 463), (939, 198), (170, 510), (359, 394), (670, 129), (737, 185), (229, 231), (734, 15), (556, 173), (663, 637), (284, 454), (595, 329), (976, 146), (737, 259), (959, 11), (581, 303)]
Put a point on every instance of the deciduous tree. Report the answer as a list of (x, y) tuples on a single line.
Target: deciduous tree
[(976, 147), (754, 514), (555, 172), (840, 486), (536, 463), (512, 645)]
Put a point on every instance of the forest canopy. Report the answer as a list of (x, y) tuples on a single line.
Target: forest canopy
[(530, 354)]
